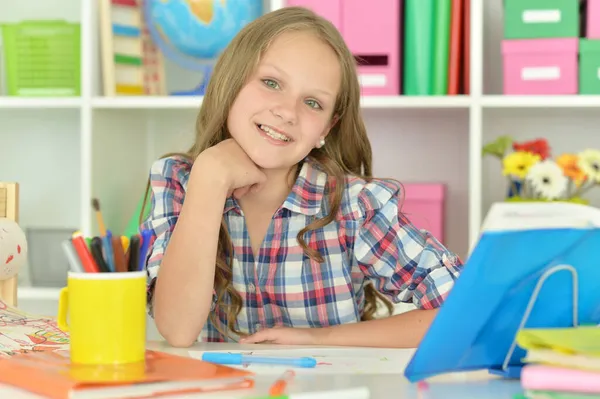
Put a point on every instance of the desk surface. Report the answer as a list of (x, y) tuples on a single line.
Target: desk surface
[(473, 385)]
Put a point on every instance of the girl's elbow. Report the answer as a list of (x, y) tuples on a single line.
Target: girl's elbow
[(177, 336), (180, 340)]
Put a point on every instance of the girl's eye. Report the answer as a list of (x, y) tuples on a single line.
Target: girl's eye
[(313, 104), (271, 83)]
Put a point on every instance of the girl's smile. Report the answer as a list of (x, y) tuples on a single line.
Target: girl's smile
[(274, 136)]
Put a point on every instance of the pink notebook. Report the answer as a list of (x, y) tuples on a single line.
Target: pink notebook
[(552, 378)]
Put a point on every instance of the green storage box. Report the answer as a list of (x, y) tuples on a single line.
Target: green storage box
[(533, 19), (42, 58), (589, 66)]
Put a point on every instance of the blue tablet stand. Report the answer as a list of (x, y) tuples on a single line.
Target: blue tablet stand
[(514, 371)]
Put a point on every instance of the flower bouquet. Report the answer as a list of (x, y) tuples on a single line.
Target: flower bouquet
[(534, 176)]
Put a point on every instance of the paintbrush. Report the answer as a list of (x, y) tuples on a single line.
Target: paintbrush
[(101, 226)]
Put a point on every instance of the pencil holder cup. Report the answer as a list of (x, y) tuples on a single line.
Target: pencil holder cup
[(106, 315)]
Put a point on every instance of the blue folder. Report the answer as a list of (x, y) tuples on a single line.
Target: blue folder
[(476, 327)]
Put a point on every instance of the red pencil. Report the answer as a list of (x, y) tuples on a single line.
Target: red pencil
[(87, 261), (125, 3)]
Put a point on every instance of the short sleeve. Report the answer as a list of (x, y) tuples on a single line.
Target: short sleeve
[(168, 182), (404, 263)]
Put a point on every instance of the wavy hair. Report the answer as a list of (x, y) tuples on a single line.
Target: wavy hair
[(347, 152)]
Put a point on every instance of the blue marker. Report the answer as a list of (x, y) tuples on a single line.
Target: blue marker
[(109, 251), (239, 359), (146, 235)]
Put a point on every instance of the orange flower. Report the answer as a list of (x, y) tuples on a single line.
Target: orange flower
[(569, 165)]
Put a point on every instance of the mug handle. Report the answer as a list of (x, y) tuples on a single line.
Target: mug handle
[(63, 308)]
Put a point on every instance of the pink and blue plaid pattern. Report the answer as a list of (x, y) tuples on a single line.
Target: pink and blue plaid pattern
[(369, 242)]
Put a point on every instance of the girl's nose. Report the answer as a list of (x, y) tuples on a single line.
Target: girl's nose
[(285, 111)]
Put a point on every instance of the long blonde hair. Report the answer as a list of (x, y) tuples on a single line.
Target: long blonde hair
[(347, 152)]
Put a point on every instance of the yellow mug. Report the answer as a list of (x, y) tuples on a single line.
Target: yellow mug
[(106, 317)]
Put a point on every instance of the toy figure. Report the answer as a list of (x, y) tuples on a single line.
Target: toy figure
[(13, 256)]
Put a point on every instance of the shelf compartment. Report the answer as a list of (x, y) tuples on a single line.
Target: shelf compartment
[(194, 102)]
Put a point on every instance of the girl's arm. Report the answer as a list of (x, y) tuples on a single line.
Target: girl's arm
[(404, 330), (187, 231), (184, 287), (400, 331)]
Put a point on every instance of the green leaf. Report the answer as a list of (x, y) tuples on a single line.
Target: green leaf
[(498, 147)]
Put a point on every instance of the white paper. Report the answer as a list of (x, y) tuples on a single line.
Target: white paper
[(332, 360), (21, 332), (7, 391), (539, 215), (342, 393), (541, 16)]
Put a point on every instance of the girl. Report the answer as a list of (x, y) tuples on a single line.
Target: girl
[(272, 222)]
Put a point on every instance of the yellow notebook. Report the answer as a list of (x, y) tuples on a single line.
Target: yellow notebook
[(575, 340), (577, 348)]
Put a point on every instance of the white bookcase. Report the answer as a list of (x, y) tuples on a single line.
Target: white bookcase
[(64, 151)]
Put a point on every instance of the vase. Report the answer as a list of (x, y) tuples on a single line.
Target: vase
[(514, 188)]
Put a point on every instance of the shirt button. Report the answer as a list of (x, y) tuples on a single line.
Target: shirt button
[(251, 288)]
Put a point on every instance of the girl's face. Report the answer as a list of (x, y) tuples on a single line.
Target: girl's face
[(287, 105)]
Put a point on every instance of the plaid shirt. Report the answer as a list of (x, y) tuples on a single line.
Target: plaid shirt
[(370, 241)]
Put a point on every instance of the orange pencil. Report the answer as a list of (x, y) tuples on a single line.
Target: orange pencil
[(120, 262), (279, 386)]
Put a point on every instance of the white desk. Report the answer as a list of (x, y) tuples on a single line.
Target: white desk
[(474, 385)]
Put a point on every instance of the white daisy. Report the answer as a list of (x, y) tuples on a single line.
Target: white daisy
[(589, 163), (546, 178)]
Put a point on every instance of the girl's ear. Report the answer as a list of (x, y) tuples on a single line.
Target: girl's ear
[(334, 120), (321, 141), (332, 123)]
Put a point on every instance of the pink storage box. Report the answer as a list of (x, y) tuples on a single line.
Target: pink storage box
[(424, 206), (541, 66), (593, 19), (328, 9), (372, 32)]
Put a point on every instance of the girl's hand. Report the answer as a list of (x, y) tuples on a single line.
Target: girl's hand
[(228, 164), (286, 336)]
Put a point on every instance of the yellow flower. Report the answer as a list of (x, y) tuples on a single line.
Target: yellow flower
[(570, 168), (517, 163), (589, 162)]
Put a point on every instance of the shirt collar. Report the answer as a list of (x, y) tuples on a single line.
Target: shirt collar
[(307, 193)]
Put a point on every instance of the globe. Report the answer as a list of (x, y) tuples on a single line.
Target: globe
[(196, 31)]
